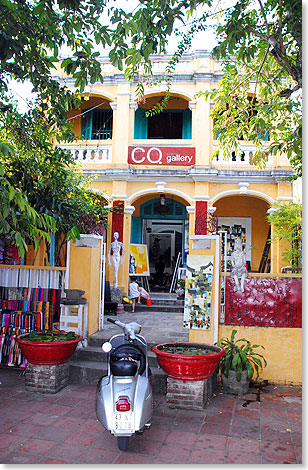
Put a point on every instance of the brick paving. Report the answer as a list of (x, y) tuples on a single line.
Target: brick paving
[(262, 427)]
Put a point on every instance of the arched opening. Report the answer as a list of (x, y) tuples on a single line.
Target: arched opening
[(244, 216), (94, 119), (161, 223)]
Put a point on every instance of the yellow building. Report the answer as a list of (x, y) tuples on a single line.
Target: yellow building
[(159, 171), (160, 167)]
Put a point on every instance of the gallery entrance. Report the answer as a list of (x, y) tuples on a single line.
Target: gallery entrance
[(164, 240), (163, 228)]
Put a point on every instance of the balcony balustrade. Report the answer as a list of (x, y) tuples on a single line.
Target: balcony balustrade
[(87, 153), (244, 158)]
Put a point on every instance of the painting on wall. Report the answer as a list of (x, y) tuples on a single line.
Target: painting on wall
[(198, 292), (138, 261)]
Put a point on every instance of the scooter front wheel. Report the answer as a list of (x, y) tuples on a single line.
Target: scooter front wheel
[(123, 443)]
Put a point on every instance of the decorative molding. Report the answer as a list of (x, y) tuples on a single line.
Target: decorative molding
[(243, 187), (190, 209), (133, 105), (201, 198), (235, 192), (284, 198), (118, 196), (149, 191), (129, 210), (211, 210), (113, 105), (160, 185), (192, 105)]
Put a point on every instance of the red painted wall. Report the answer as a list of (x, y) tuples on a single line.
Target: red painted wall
[(265, 302), (118, 219)]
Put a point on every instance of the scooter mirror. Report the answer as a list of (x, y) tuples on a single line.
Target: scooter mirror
[(106, 347)]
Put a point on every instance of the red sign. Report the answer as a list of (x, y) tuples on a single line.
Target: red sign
[(184, 156)]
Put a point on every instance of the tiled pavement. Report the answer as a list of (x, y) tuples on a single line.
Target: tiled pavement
[(263, 427)]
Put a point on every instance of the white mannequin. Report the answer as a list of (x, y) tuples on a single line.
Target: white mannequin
[(116, 246), (238, 263)]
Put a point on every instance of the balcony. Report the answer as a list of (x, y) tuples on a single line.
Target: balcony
[(248, 151), (85, 152)]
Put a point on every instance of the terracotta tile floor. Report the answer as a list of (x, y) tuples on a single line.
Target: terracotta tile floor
[(63, 429)]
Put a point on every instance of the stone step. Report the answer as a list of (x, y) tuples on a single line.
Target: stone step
[(96, 354), (90, 372), (167, 302), (97, 341), (156, 308)]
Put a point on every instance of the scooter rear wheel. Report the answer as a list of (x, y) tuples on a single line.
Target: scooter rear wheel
[(123, 443)]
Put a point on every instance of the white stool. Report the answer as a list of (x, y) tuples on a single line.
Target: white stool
[(79, 318)]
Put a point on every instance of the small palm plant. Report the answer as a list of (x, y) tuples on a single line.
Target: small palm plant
[(240, 355)]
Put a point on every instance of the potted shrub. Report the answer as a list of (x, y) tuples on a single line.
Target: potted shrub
[(239, 364), (188, 361), (49, 347)]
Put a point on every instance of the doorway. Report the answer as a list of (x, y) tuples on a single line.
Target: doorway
[(163, 228), (164, 240)]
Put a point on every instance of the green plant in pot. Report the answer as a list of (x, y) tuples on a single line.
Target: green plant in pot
[(48, 347), (240, 363)]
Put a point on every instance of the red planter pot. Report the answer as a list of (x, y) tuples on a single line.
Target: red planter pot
[(47, 354), (189, 366)]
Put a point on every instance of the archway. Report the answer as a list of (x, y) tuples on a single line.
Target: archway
[(161, 223), (244, 216)]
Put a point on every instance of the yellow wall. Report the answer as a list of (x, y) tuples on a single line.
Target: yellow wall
[(283, 349), (85, 275), (244, 206)]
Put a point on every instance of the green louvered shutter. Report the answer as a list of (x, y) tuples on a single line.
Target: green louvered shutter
[(86, 125), (186, 130), (141, 124)]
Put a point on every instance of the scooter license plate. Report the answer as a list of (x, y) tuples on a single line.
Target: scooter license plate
[(123, 421)]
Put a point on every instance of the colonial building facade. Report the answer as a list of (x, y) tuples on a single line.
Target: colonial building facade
[(159, 172)]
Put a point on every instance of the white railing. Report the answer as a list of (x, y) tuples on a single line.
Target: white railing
[(32, 276), (90, 153), (244, 158)]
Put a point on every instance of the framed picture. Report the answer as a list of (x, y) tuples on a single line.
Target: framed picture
[(138, 261), (198, 292)]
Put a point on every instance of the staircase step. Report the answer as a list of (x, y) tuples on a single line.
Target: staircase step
[(156, 308), (90, 372), (95, 354), (162, 322)]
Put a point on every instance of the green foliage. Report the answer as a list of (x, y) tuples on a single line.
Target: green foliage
[(261, 44), (287, 219), (240, 355), (49, 178), (19, 220), (31, 37), (50, 336)]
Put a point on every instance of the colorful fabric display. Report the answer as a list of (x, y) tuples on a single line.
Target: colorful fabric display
[(23, 310)]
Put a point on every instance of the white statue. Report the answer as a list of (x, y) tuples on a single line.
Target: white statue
[(116, 247), (238, 263)]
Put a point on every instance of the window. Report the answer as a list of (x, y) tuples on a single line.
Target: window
[(97, 124), (169, 124)]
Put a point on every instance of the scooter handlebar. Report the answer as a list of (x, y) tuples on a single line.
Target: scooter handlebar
[(111, 320)]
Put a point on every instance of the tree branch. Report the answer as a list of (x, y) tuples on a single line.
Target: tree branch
[(264, 17)]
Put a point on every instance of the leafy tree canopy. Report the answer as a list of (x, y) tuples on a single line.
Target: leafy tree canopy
[(287, 219), (259, 41), (32, 36), (260, 45), (259, 96)]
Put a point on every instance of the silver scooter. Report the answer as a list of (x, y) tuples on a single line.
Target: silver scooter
[(125, 401)]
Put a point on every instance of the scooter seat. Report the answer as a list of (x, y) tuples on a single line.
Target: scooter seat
[(123, 368)]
